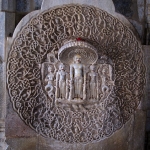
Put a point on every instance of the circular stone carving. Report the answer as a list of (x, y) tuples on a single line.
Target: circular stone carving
[(45, 34)]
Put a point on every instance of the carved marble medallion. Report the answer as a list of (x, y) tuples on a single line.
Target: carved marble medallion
[(75, 73)]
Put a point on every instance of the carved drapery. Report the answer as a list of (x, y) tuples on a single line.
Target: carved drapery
[(31, 72)]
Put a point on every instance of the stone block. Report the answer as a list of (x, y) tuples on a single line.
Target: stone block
[(2, 64), (148, 113), (141, 12), (22, 143), (146, 101), (138, 26), (7, 5), (148, 9), (124, 7), (24, 5), (148, 18), (106, 5), (2, 34), (37, 4), (10, 24), (138, 129), (148, 1), (148, 125)]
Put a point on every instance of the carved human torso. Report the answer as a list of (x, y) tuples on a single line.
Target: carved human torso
[(49, 78), (62, 75), (92, 77), (77, 70)]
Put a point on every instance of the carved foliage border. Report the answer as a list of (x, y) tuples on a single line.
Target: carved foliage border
[(47, 32)]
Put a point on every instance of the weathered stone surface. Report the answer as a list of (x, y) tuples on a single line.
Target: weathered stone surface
[(106, 5), (3, 145), (130, 137), (9, 24), (141, 7), (146, 102), (27, 6), (15, 127), (124, 7), (137, 141), (24, 5), (4, 19), (8, 5), (138, 26), (147, 95), (22, 143), (38, 4)]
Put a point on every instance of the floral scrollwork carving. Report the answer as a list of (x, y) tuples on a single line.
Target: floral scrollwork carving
[(72, 90)]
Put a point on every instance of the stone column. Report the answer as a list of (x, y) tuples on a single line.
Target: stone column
[(3, 145), (7, 22), (148, 22)]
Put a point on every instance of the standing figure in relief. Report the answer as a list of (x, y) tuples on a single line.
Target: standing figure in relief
[(78, 79), (106, 64), (61, 82), (50, 82), (93, 82), (104, 78), (105, 72)]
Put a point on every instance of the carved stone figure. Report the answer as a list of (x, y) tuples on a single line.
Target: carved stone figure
[(105, 73), (93, 82), (50, 82), (61, 83), (104, 78), (78, 78)]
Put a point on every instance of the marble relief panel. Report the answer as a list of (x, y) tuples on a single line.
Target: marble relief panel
[(75, 73)]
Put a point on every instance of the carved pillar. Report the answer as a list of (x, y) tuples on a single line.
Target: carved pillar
[(3, 145), (148, 24), (6, 29)]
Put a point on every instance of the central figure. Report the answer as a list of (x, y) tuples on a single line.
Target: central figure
[(77, 79)]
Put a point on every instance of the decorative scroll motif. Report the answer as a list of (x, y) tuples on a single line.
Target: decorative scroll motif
[(76, 92)]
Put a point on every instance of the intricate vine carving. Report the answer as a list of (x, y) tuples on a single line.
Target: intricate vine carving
[(38, 75)]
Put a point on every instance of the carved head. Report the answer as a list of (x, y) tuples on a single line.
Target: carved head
[(104, 59), (77, 59), (61, 66), (50, 68), (92, 67), (103, 71)]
